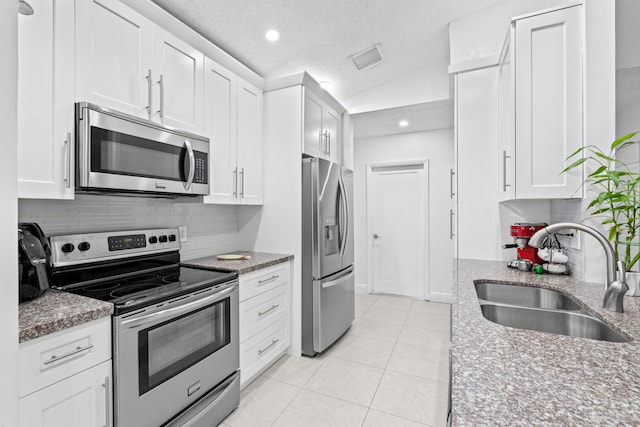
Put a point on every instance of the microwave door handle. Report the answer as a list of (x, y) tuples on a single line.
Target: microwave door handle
[(192, 164)]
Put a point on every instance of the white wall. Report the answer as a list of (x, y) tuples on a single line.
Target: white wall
[(8, 234), (211, 229), (437, 146), (428, 84)]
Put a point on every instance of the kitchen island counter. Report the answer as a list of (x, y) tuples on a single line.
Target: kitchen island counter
[(58, 310), (256, 261), (508, 376)]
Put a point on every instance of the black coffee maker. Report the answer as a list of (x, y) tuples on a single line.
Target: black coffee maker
[(33, 261)]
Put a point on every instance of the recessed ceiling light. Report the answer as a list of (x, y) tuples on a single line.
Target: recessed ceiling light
[(272, 35), (325, 84), (403, 123)]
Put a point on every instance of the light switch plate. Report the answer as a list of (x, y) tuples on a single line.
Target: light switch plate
[(183, 233), (575, 240)]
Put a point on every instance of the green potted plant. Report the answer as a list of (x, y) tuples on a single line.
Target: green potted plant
[(617, 200)]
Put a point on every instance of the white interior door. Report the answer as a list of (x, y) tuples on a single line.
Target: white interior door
[(397, 218)]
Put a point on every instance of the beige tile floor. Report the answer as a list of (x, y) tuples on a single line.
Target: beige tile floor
[(389, 369)]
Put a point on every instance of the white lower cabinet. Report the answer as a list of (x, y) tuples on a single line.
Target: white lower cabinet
[(65, 378), (82, 400), (265, 325)]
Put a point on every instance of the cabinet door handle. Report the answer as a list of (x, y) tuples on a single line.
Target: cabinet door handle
[(161, 84), (235, 182), (451, 214), (329, 143), (67, 169), (78, 349), (504, 170), (270, 279), (451, 174), (149, 94), (242, 183), (321, 140), (273, 342), (273, 307), (107, 401)]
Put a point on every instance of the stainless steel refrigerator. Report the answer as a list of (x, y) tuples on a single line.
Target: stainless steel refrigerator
[(327, 253)]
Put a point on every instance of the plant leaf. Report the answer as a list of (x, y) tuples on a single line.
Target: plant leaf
[(622, 139), (575, 164)]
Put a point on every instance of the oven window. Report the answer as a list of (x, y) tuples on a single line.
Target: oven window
[(171, 347), (122, 154)]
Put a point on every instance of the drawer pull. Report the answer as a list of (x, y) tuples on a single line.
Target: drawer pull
[(273, 307), (107, 401), (270, 279), (273, 342), (78, 349)]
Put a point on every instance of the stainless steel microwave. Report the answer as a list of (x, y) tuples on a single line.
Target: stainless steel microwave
[(117, 152)]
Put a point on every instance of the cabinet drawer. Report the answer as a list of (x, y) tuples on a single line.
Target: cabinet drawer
[(46, 360), (263, 280), (258, 312), (259, 351)]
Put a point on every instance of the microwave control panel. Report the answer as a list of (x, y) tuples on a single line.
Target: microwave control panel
[(201, 173)]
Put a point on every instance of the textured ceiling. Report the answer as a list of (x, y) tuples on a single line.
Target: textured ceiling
[(319, 36)]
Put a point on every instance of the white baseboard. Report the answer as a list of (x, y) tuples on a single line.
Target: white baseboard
[(440, 297), (360, 288)]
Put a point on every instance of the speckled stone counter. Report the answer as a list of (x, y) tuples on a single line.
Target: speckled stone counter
[(257, 261), (513, 377), (58, 310)]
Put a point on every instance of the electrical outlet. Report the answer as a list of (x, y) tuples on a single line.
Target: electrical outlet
[(183, 233), (575, 240)]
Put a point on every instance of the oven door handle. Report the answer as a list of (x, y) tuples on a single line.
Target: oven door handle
[(135, 322)]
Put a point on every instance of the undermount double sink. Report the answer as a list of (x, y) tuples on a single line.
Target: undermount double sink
[(539, 309)]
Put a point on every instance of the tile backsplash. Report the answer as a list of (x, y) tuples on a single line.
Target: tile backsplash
[(570, 211), (211, 229)]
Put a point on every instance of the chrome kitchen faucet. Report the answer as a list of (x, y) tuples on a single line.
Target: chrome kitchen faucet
[(616, 287)]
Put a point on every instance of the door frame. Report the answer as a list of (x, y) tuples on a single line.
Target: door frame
[(419, 163)]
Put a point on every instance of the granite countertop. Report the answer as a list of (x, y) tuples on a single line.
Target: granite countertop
[(58, 310), (257, 261), (515, 377)]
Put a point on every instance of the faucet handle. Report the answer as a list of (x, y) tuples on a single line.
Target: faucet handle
[(622, 272)]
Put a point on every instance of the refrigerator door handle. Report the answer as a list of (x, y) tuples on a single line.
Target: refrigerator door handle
[(344, 218), (343, 279)]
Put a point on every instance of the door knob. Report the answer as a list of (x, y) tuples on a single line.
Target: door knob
[(377, 236)]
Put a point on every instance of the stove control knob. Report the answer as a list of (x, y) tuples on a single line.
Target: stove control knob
[(67, 247), (163, 239), (153, 239), (172, 237), (84, 246)]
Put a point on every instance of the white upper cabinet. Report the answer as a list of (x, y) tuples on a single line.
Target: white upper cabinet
[(45, 101), (322, 128), (313, 141), (249, 143), (548, 103), (220, 120), (233, 122), (179, 69), (128, 63), (114, 57), (507, 149)]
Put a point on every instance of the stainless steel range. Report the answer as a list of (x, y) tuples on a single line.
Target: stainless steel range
[(175, 329)]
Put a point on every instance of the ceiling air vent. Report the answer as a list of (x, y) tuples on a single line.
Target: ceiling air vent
[(367, 58)]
